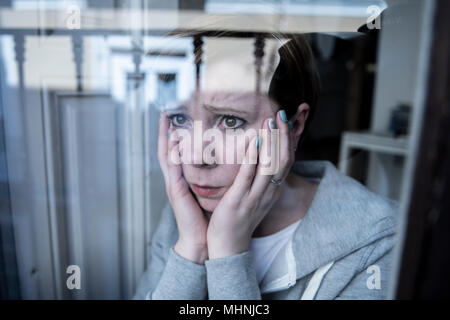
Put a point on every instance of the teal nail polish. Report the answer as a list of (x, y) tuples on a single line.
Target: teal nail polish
[(283, 116), (291, 126), (271, 124), (168, 133), (257, 143)]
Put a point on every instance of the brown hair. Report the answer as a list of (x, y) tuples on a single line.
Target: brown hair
[(296, 79)]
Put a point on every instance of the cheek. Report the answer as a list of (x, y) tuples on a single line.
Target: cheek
[(234, 151), (226, 174), (229, 172)]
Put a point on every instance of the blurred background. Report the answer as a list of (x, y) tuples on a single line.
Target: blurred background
[(82, 84)]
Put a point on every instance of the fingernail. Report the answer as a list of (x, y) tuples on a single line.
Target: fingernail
[(291, 126), (283, 116), (257, 142), (272, 124)]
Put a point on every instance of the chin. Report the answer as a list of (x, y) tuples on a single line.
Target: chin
[(208, 204)]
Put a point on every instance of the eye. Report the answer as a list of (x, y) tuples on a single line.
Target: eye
[(232, 122), (178, 120)]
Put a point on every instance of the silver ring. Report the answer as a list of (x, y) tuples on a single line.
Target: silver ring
[(277, 182)]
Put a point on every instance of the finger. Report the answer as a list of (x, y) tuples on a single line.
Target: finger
[(244, 178), (173, 158), (284, 152), (163, 142), (262, 177)]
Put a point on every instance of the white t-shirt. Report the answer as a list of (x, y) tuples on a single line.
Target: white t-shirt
[(265, 249)]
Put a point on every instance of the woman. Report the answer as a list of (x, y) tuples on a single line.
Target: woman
[(230, 232)]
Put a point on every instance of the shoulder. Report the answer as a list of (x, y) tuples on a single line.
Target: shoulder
[(374, 216), (345, 218), (345, 207), (369, 222)]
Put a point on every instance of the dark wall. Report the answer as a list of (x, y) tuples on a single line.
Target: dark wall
[(345, 103)]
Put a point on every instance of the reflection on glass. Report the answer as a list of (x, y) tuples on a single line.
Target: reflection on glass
[(98, 99)]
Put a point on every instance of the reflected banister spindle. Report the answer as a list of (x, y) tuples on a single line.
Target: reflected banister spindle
[(259, 54), (77, 47), (198, 53), (137, 75), (19, 50)]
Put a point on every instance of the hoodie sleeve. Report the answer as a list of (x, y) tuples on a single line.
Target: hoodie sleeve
[(170, 276), (232, 278), (181, 280)]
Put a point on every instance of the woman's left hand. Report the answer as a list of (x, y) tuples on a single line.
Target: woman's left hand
[(250, 197)]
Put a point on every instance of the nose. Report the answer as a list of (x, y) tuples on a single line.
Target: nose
[(205, 166), (199, 159), (203, 154), (198, 146)]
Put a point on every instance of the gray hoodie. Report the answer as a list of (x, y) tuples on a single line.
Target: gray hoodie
[(342, 249)]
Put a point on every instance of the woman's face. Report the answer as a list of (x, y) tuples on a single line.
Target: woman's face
[(221, 112)]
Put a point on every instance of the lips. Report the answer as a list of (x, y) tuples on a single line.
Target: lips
[(205, 191)]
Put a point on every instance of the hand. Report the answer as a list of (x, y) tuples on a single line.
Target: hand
[(191, 222), (250, 198)]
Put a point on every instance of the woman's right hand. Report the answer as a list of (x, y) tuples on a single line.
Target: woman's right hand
[(192, 223)]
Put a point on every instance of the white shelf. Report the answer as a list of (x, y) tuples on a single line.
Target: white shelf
[(373, 142)]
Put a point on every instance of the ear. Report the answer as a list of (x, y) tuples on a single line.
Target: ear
[(298, 121)]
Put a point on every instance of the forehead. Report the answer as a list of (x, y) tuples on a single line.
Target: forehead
[(244, 101)]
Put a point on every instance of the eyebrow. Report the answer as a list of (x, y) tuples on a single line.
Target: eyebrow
[(227, 109), (175, 109)]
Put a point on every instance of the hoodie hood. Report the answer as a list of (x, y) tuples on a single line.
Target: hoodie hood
[(343, 217)]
